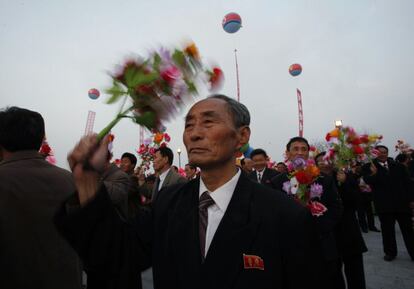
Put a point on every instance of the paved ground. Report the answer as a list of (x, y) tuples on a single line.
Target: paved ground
[(398, 274)]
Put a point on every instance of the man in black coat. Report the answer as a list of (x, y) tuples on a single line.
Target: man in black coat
[(348, 235), (261, 173), (218, 231), (392, 194), (326, 224), (32, 252)]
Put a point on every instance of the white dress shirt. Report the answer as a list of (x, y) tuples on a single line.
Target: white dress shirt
[(260, 175), (221, 197), (162, 178)]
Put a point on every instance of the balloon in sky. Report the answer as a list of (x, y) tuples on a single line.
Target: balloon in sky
[(93, 93), (232, 22), (295, 69), (248, 152)]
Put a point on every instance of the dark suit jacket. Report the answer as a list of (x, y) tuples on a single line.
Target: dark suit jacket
[(392, 189), (266, 177), (348, 234), (328, 221), (258, 221), (32, 252)]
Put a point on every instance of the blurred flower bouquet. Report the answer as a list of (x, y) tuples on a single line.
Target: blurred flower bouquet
[(147, 150), (345, 146), (302, 186), (403, 147), (159, 86)]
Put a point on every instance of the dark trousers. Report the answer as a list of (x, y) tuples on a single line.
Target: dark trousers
[(354, 273), (365, 212), (388, 232)]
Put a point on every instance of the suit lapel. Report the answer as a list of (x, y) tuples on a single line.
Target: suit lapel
[(184, 236), (233, 237), (167, 180)]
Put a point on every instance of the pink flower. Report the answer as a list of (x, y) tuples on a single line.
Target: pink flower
[(317, 209), (171, 74), (167, 137), (316, 191)]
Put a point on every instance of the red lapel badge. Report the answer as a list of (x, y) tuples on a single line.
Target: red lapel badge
[(253, 262)]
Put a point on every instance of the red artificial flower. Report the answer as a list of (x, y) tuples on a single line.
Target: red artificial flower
[(358, 150), (356, 141), (163, 145), (328, 137), (167, 137), (216, 78), (303, 177), (312, 148), (45, 149), (152, 151), (364, 138), (317, 209)]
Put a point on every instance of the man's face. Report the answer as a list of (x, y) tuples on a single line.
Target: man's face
[(210, 137), (127, 166), (281, 168), (160, 162), (382, 155), (298, 149), (259, 162), (189, 172), (323, 165), (248, 165)]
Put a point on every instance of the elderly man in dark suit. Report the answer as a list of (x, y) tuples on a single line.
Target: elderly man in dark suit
[(32, 253), (219, 231)]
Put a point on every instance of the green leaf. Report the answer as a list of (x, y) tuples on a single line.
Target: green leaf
[(116, 91), (179, 58), (136, 77), (191, 87), (147, 119), (157, 62)]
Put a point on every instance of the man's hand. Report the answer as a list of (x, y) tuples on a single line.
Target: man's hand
[(87, 161), (374, 169), (341, 176)]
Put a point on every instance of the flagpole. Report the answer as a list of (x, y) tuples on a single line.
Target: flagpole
[(237, 76)]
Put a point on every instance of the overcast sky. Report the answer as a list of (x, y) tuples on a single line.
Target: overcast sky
[(356, 57)]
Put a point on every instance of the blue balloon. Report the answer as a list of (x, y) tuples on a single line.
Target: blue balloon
[(248, 152)]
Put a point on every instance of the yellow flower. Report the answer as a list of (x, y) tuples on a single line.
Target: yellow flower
[(192, 51), (158, 137), (334, 133)]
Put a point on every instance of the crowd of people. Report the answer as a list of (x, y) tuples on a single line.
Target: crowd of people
[(223, 223)]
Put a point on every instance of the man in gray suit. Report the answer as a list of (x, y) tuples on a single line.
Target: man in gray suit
[(163, 160), (32, 253)]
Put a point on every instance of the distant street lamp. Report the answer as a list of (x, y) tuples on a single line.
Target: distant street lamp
[(338, 123), (179, 157)]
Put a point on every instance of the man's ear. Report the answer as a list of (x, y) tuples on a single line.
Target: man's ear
[(244, 136)]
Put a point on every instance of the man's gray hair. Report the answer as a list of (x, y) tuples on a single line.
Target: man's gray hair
[(239, 112)]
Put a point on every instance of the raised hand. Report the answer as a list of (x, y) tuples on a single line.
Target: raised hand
[(87, 162)]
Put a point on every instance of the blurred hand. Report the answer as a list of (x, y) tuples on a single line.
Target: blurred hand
[(341, 176), (87, 161), (374, 169)]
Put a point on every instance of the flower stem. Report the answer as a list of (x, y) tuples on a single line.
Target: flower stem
[(108, 128)]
